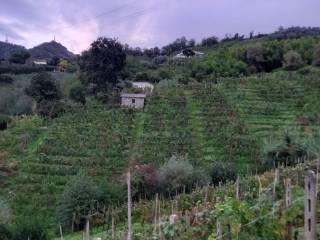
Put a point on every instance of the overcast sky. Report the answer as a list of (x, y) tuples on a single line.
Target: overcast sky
[(146, 23)]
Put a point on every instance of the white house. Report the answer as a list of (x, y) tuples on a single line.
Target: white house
[(188, 53), (40, 62), (133, 100), (143, 85)]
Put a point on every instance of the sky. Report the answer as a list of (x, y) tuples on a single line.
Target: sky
[(146, 23)]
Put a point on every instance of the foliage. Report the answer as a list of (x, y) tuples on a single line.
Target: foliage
[(292, 60), (210, 41), (79, 199), (175, 174), (316, 60), (221, 173), (43, 88), (100, 66), (77, 94), (50, 109), (32, 227), (19, 58), (5, 79), (4, 120)]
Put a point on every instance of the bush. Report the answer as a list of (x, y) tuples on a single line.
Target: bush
[(43, 87), (175, 174), (15, 69), (23, 106), (292, 60), (50, 109), (6, 79), (160, 60), (222, 172), (77, 94), (145, 181), (80, 197), (286, 152), (30, 227), (5, 233), (316, 59), (4, 120)]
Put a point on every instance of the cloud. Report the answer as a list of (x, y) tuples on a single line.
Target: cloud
[(146, 23)]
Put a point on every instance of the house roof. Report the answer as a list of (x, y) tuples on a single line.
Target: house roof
[(133, 95)]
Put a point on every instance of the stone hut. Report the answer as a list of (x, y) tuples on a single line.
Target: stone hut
[(133, 100)]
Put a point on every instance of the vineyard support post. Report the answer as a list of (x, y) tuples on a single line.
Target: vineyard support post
[(310, 199)]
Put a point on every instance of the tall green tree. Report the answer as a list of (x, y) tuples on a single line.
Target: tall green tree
[(43, 87), (100, 66)]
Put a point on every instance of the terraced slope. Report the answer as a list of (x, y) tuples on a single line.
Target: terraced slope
[(227, 122)]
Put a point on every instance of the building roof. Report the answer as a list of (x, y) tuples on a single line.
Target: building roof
[(133, 95)]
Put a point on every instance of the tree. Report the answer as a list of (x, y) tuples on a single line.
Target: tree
[(100, 66), (316, 59), (292, 60), (255, 57), (43, 87), (19, 58), (77, 94), (79, 200), (210, 41), (54, 61), (176, 173)]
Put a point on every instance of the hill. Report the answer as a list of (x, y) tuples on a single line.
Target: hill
[(236, 111), (7, 49), (51, 49)]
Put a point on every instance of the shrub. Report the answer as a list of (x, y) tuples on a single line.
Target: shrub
[(316, 59), (4, 120), (160, 60), (6, 79), (145, 180), (50, 109), (43, 87), (292, 60), (175, 174), (77, 94), (30, 227), (5, 233), (23, 106), (286, 152), (79, 198), (222, 172)]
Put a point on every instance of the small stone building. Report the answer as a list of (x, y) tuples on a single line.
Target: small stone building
[(133, 100)]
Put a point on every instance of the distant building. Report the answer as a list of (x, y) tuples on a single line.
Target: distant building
[(133, 100), (40, 62), (145, 86), (188, 53)]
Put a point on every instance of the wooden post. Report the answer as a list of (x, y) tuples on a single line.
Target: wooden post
[(288, 192), (317, 178), (238, 188), (61, 235), (219, 231), (310, 199), (129, 206), (155, 214), (288, 188), (112, 227), (260, 188), (87, 230)]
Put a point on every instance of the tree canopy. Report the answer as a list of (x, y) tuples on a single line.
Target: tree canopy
[(100, 66)]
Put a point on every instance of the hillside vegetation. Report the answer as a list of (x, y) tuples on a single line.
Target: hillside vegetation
[(247, 106)]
